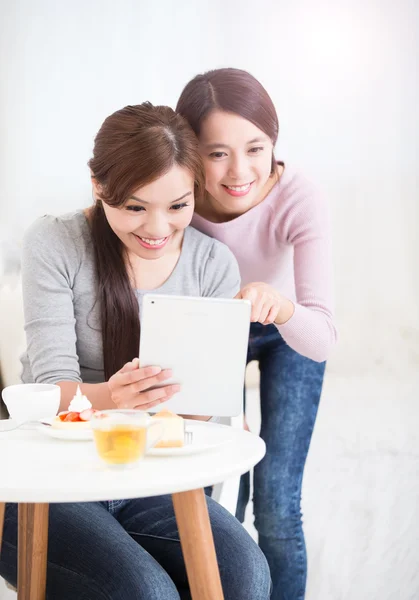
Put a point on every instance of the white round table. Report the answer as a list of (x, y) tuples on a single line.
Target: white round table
[(40, 470)]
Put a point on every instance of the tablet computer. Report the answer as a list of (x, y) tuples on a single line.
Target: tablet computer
[(204, 341)]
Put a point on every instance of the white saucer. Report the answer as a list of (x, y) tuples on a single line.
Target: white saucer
[(78, 435), (205, 437)]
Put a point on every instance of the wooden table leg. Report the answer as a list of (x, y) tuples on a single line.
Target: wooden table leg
[(197, 545), (32, 551), (2, 510)]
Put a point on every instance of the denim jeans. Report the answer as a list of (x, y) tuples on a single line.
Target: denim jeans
[(130, 550), (290, 388)]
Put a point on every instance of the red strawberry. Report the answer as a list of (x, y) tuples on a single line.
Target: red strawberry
[(86, 414), (72, 417), (63, 415)]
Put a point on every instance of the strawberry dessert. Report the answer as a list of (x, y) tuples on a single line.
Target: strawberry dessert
[(78, 414)]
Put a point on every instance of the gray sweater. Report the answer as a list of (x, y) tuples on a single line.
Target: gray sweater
[(62, 316)]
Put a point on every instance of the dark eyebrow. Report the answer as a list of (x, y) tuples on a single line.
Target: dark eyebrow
[(254, 141), (172, 202), (213, 146), (257, 140)]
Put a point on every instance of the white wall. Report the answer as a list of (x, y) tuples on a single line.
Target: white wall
[(344, 77)]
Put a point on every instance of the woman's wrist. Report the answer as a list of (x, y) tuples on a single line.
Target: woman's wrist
[(285, 312)]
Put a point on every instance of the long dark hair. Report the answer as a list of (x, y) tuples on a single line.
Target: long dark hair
[(230, 90), (134, 146)]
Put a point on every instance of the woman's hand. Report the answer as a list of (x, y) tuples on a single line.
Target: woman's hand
[(268, 306), (130, 387)]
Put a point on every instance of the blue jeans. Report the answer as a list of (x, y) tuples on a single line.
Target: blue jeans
[(130, 550), (290, 388)]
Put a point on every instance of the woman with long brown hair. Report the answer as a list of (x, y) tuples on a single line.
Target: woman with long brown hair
[(276, 224), (84, 276)]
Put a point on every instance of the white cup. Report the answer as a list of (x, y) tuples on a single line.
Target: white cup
[(32, 401)]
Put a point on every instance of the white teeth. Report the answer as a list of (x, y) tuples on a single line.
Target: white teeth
[(238, 188), (152, 242)]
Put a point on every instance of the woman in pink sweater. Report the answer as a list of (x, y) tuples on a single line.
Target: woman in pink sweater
[(276, 224)]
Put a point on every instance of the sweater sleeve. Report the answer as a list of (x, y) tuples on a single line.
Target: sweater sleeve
[(310, 331), (49, 263)]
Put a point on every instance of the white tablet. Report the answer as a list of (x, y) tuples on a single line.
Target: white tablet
[(204, 341)]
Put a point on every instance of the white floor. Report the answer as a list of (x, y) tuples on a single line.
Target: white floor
[(361, 491)]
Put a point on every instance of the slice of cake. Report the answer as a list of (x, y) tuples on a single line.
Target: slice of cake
[(78, 414), (174, 429)]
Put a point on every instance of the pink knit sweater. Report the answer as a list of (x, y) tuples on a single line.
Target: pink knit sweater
[(284, 241)]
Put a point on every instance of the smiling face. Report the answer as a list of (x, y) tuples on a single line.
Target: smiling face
[(152, 221), (237, 157)]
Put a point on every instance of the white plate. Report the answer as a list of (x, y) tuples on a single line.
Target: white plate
[(11, 425), (205, 437), (81, 435)]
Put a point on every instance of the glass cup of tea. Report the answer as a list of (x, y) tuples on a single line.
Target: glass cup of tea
[(122, 436)]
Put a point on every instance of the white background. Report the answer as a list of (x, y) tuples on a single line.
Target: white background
[(344, 77)]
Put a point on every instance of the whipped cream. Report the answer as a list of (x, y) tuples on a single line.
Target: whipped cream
[(79, 402)]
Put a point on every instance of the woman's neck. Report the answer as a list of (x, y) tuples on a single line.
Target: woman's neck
[(151, 274)]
